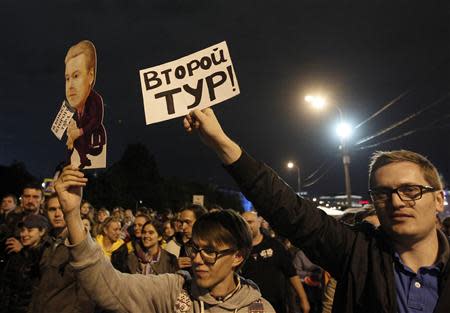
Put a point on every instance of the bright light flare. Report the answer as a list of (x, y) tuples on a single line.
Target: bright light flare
[(290, 165), (344, 130), (317, 102)]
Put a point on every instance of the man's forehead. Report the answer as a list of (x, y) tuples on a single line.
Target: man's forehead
[(187, 215), (53, 203), (205, 243), (399, 173), (31, 191), (139, 220), (77, 63)]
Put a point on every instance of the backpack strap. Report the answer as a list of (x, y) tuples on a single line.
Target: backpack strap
[(256, 307)]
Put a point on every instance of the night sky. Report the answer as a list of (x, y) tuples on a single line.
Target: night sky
[(361, 54)]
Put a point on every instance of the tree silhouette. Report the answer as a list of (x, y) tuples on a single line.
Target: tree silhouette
[(13, 178)]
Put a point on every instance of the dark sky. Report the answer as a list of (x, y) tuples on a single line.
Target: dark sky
[(362, 54)]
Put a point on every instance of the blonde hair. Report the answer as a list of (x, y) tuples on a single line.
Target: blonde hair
[(87, 48), (382, 158)]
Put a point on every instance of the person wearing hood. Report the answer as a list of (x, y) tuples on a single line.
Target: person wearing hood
[(221, 242)]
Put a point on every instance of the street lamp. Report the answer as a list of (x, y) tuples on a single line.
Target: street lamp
[(343, 130), (291, 165)]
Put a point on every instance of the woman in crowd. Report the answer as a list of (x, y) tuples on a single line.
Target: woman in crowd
[(88, 224), (148, 257), (168, 230), (87, 210), (101, 216), (112, 245), (21, 273)]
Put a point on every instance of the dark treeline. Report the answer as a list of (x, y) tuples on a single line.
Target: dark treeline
[(131, 182)]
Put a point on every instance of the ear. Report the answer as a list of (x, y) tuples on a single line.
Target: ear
[(440, 201), (91, 76), (237, 259)]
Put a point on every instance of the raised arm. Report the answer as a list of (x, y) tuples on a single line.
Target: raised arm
[(110, 289), (212, 135), (69, 187), (325, 240)]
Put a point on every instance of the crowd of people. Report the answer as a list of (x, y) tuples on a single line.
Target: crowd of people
[(37, 275), (60, 254)]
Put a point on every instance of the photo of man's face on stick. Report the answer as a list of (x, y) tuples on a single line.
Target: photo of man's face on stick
[(86, 135)]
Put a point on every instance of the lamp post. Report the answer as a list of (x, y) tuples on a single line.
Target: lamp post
[(343, 130), (291, 165)]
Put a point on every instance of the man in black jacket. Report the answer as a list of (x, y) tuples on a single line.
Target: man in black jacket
[(400, 267)]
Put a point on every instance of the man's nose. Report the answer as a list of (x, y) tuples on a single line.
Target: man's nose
[(197, 258), (70, 82), (396, 200)]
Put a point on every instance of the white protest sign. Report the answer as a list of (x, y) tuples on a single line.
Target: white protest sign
[(62, 120), (197, 81)]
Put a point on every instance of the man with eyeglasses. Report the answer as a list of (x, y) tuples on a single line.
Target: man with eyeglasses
[(221, 242), (402, 266)]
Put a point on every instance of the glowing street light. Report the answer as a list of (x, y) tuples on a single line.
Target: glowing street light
[(317, 102), (292, 165), (344, 131)]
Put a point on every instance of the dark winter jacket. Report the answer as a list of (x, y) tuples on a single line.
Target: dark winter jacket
[(19, 279), (362, 262)]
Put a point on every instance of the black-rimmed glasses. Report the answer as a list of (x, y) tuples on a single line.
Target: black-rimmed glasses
[(405, 192), (209, 255)]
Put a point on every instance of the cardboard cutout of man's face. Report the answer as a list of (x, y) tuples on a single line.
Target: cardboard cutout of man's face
[(79, 80)]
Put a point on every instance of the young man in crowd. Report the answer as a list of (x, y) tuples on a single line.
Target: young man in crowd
[(400, 267), (31, 201), (9, 204), (58, 290), (188, 216), (221, 241)]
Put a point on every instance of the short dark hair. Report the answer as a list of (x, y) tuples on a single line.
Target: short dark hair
[(48, 198), (197, 209), (34, 185), (157, 225), (224, 227), (10, 195)]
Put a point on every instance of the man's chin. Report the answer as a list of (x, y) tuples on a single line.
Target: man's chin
[(202, 282)]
